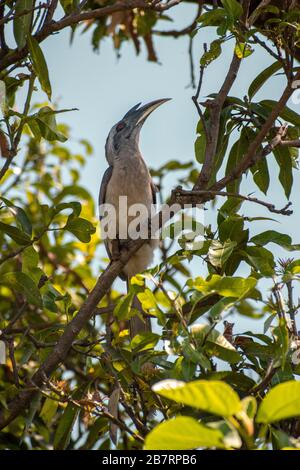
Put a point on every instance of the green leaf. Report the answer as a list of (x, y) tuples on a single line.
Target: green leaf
[(22, 284), (81, 228), (195, 355), (281, 334), (65, 426), (219, 253), (149, 304), (271, 236), (261, 78), (284, 160), (30, 259), (214, 17), (20, 216), (144, 341), (287, 114), (182, 433), (22, 24), (48, 410), (242, 50), (233, 9), (20, 237), (219, 307), (34, 405), (123, 310), (43, 124), (75, 206), (261, 176), (39, 65), (212, 396), (237, 152), (214, 343), (95, 431), (261, 259), (282, 402), (231, 228), (212, 54), (227, 286), (200, 145)]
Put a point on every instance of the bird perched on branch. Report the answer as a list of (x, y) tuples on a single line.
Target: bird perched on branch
[(128, 175)]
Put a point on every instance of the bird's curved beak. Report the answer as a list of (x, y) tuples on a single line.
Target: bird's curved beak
[(138, 115)]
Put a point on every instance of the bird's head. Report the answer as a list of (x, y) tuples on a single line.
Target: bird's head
[(123, 138)]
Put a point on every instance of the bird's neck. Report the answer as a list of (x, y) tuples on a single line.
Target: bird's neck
[(127, 156)]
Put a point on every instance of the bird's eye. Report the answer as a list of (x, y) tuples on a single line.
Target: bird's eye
[(120, 126)]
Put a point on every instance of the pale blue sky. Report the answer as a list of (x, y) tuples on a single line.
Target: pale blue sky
[(104, 88)]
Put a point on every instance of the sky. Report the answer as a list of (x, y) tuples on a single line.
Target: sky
[(104, 87)]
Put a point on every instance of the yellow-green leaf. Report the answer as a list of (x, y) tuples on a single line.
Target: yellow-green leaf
[(282, 402), (212, 396), (183, 433)]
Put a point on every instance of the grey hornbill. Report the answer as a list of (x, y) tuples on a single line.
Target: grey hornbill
[(128, 175)]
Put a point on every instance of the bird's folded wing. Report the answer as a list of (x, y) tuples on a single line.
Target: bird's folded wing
[(154, 190), (102, 196)]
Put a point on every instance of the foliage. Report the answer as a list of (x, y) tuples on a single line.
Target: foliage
[(197, 381)]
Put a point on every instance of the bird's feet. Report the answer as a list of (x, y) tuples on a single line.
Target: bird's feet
[(117, 247)]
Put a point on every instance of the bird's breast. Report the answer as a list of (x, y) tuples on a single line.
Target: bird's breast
[(131, 181), (129, 192)]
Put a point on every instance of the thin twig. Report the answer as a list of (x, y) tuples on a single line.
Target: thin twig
[(195, 98)]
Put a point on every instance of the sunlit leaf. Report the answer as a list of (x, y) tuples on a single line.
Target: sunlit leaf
[(211, 396), (182, 433), (281, 402)]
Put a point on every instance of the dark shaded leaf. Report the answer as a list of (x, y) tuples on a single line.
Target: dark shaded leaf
[(23, 284), (261, 78), (20, 237)]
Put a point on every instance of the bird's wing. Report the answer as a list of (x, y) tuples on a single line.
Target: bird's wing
[(103, 187), (102, 195), (154, 190)]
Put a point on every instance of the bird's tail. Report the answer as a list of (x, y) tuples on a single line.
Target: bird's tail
[(137, 324)]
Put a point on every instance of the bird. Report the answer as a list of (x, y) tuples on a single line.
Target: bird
[(128, 175)]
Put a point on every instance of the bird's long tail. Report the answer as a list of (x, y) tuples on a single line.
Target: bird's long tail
[(137, 324)]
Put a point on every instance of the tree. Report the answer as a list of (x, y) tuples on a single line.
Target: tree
[(69, 355)]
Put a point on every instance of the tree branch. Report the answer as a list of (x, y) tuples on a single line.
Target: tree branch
[(192, 197), (75, 18)]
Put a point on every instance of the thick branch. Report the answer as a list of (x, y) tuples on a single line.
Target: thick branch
[(290, 143)]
